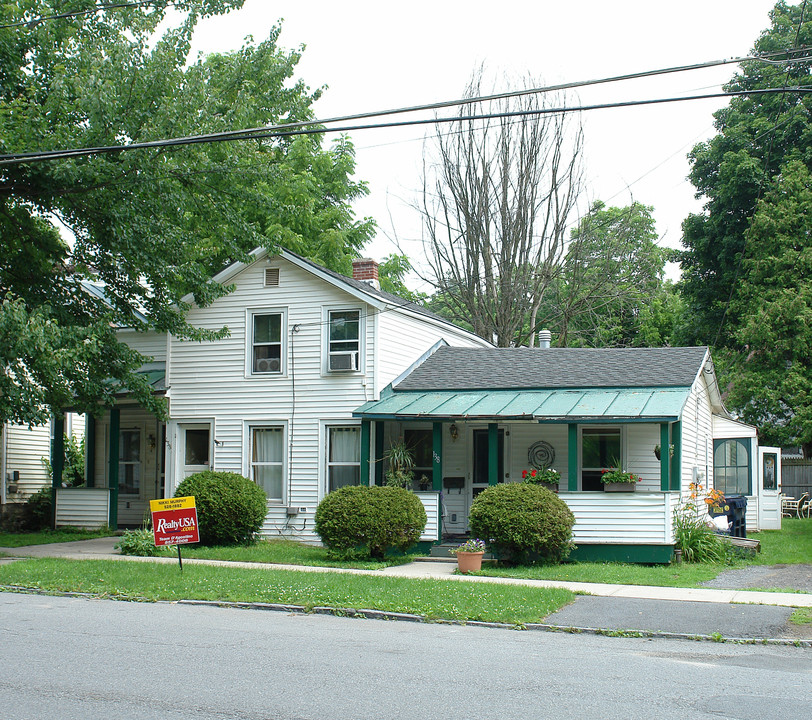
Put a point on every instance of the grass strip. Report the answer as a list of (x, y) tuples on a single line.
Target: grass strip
[(46, 537), (286, 552), (433, 599)]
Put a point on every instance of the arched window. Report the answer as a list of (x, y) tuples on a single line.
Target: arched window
[(731, 466)]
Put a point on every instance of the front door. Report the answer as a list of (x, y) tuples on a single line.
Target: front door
[(481, 462), (769, 488), (196, 451)]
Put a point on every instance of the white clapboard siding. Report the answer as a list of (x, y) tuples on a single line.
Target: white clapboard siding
[(628, 518), (82, 507), (640, 439), (431, 503), (149, 344), (25, 450)]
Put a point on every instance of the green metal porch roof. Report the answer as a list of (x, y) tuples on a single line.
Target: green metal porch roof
[(559, 405)]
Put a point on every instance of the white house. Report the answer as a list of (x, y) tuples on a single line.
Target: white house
[(273, 401)]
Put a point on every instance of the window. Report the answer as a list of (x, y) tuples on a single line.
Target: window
[(129, 462), (343, 457), (344, 342), (267, 460), (266, 343), (600, 450), (421, 443), (731, 466)]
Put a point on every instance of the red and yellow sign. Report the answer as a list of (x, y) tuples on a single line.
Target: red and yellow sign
[(174, 521)]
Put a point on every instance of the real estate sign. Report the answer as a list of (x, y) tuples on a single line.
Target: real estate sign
[(174, 521)]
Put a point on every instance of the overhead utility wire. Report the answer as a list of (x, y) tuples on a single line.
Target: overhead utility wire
[(307, 128), (79, 13)]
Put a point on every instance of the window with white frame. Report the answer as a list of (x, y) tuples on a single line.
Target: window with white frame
[(600, 450), (344, 341), (343, 457), (268, 460), (266, 343), (129, 462)]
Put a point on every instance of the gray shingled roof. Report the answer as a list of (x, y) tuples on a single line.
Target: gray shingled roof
[(455, 368)]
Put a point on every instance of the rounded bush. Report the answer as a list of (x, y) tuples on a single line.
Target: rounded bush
[(364, 520), (523, 522), (230, 508)]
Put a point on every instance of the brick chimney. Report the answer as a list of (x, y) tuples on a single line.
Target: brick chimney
[(366, 270)]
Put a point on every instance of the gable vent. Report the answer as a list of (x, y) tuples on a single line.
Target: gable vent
[(271, 277)]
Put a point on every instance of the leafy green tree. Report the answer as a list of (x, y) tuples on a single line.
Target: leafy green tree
[(757, 135), (771, 366), (612, 273), (146, 227)]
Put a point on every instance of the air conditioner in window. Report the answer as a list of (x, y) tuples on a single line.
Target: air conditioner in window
[(268, 365), (347, 361)]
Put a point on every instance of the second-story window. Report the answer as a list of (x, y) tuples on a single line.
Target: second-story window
[(267, 343), (344, 351)]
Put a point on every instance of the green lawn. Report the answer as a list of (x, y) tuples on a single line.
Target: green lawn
[(435, 599), (43, 537)]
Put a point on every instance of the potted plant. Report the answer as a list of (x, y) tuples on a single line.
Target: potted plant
[(469, 555), (619, 480), (547, 477), (401, 462)]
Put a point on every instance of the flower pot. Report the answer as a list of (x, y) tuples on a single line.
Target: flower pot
[(619, 487), (469, 561)]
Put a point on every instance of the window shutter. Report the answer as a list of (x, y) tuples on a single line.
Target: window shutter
[(271, 277)]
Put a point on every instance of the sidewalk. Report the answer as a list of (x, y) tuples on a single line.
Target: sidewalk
[(731, 613)]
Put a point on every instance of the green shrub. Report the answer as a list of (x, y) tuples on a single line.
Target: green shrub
[(698, 542), (230, 508), (39, 510), (523, 522), (368, 521), (138, 542)]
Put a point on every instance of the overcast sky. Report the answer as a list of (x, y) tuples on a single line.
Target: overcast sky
[(378, 55)]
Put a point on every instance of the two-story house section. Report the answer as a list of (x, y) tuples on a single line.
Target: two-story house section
[(273, 400)]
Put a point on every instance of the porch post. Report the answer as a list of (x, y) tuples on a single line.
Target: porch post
[(90, 450), (365, 452), (493, 453), (437, 457), (112, 450), (379, 452), (676, 460), (57, 461), (572, 457), (665, 442)]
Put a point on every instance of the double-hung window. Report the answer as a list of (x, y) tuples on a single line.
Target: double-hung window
[(266, 343), (600, 450), (344, 341), (268, 460), (343, 457)]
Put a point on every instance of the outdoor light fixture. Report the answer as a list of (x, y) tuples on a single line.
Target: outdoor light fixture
[(151, 441), (453, 431)]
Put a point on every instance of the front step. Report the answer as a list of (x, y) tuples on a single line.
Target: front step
[(442, 553)]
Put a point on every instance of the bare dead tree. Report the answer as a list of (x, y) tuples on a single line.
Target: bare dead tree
[(496, 204)]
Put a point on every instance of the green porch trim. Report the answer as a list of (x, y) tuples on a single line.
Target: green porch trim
[(113, 451), (493, 454), (90, 451), (57, 461), (572, 457), (676, 460), (437, 457), (644, 554), (365, 446), (378, 453), (665, 443)]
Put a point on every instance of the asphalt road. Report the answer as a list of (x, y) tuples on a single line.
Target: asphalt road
[(69, 658)]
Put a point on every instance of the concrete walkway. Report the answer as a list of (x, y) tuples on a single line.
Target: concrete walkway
[(103, 549)]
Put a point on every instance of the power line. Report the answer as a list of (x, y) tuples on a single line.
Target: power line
[(308, 128), (81, 13)]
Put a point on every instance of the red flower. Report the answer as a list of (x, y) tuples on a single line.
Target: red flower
[(524, 474)]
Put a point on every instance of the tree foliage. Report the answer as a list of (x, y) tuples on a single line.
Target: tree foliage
[(495, 206), (771, 373), (756, 136), (150, 227)]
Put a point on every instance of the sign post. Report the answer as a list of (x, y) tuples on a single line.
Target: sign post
[(174, 522)]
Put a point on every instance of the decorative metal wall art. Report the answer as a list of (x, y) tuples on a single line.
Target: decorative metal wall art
[(541, 455)]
